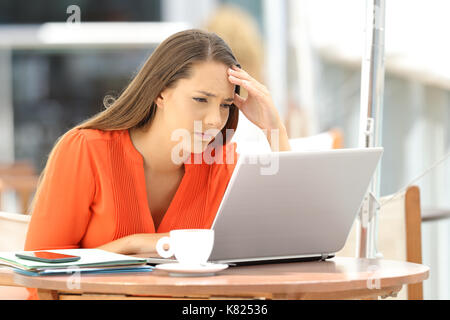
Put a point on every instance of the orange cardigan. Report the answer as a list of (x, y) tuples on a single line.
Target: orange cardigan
[(94, 192)]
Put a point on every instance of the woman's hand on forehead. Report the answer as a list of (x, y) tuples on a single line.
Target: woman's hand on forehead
[(258, 107)]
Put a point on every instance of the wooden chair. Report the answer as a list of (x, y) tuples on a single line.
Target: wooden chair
[(17, 168), (331, 139), (399, 234), (19, 177), (13, 231)]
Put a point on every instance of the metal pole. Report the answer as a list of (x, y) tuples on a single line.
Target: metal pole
[(275, 17), (372, 90), (6, 106)]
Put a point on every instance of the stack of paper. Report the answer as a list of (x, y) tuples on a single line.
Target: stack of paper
[(91, 261)]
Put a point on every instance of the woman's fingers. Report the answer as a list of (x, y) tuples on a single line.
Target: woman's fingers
[(242, 74), (247, 85), (238, 100)]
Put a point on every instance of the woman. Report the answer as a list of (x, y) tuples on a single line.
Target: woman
[(119, 181)]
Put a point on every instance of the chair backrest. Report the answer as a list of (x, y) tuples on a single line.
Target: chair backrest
[(13, 231), (17, 168), (399, 234), (250, 139), (332, 139), (21, 179)]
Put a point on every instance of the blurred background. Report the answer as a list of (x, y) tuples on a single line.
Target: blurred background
[(60, 58)]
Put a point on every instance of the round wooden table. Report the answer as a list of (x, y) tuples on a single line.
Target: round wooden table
[(337, 278)]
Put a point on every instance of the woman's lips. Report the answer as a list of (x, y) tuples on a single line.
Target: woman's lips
[(203, 136)]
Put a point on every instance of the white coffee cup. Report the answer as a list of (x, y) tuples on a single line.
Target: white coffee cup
[(190, 246)]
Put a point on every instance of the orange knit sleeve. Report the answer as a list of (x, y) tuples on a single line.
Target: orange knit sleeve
[(62, 210)]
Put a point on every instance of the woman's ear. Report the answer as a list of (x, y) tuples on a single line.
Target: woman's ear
[(162, 98), (159, 101)]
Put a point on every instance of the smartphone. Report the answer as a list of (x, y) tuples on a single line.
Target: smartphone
[(47, 256)]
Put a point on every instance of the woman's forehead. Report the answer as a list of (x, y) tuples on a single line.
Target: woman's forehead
[(213, 83), (207, 77), (211, 90)]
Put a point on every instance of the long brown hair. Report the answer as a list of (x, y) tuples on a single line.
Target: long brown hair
[(172, 60)]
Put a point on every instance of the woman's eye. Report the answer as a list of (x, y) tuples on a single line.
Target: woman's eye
[(204, 100)]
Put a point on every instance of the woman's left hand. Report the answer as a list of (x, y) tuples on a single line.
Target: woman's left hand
[(258, 107)]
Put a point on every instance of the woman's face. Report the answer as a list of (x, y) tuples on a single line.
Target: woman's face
[(199, 104)]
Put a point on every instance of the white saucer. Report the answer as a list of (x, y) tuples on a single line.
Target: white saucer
[(180, 270)]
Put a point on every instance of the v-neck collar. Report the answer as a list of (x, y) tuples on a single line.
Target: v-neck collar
[(137, 158)]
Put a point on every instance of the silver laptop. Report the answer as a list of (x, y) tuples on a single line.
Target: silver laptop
[(291, 206)]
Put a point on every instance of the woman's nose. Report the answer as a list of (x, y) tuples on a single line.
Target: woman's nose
[(213, 118)]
